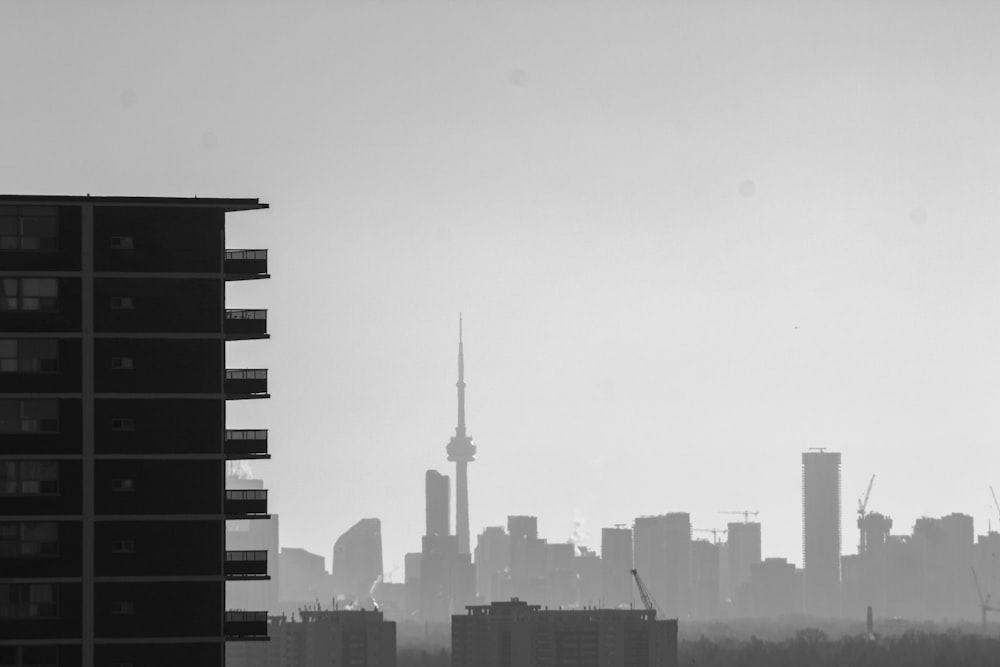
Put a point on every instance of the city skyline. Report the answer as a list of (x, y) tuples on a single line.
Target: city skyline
[(726, 236)]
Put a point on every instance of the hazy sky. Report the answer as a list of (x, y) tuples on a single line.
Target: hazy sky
[(690, 240)]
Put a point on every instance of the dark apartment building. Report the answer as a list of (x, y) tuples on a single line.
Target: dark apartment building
[(516, 634), (113, 439)]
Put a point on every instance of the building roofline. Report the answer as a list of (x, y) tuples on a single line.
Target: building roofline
[(225, 203)]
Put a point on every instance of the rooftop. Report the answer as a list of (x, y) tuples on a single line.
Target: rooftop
[(227, 204)]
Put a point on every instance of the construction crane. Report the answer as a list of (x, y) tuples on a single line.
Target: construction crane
[(746, 514), (997, 504), (862, 507), (715, 532), (647, 600), (984, 602)]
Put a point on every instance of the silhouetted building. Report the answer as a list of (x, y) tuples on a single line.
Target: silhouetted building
[(462, 451), (616, 565), (411, 581), (742, 553), (527, 557), (863, 576), (357, 561), (705, 579), (112, 429), (438, 499), (945, 548), (303, 577), (492, 561), (335, 639), (775, 588), (821, 532), (663, 559), (509, 634), (560, 576), (589, 577)]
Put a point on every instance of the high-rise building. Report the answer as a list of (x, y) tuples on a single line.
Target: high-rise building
[(492, 561), (821, 532), (616, 567), (438, 499), (357, 561), (113, 390), (462, 451), (516, 633), (663, 559), (705, 578), (742, 553), (587, 566), (304, 578), (253, 537)]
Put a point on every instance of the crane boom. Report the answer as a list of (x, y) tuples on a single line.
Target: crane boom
[(863, 504), (647, 600), (995, 499)]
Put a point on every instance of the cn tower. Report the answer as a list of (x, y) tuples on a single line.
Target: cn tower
[(461, 450)]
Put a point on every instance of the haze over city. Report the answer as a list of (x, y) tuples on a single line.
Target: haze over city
[(689, 242)]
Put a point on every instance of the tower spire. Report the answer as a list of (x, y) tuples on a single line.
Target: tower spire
[(462, 451), (460, 429)]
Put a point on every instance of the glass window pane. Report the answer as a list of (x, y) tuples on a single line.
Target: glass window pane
[(40, 531), (8, 348), (9, 417), (40, 408), (40, 227), (40, 287)]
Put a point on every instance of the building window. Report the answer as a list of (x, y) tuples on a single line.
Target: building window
[(122, 485), (121, 303), (123, 607), (122, 243), (29, 415), (29, 478), (28, 601), (122, 363), (122, 547), (29, 656), (122, 424), (29, 294), (29, 228), (29, 539), (29, 355)]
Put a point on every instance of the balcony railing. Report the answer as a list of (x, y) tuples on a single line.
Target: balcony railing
[(245, 264), (246, 625), (243, 324), (246, 564), (246, 503), (246, 444), (246, 383)]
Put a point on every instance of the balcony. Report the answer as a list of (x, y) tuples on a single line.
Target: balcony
[(246, 565), (246, 383), (245, 324), (246, 504), (245, 626), (245, 264), (246, 444)]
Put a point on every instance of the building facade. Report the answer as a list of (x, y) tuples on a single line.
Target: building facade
[(516, 634), (821, 532), (113, 390)]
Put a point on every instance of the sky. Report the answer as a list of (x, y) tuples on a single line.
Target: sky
[(690, 241)]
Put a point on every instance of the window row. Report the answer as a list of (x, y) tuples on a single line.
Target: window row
[(29, 355), (29, 228), (29, 539), (29, 478), (29, 656), (29, 294), (28, 601), (29, 415)]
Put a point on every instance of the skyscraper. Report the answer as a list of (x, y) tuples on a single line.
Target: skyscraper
[(462, 451), (438, 498), (821, 532), (357, 561), (616, 564), (113, 393), (743, 552)]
